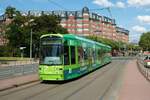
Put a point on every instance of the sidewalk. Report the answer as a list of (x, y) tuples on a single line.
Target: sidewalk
[(16, 81), (135, 86)]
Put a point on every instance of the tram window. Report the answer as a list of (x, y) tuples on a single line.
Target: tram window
[(85, 54), (80, 54), (94, 55), (72, 54), (66, 55), (99, 54)]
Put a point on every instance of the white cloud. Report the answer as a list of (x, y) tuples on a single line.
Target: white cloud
[(139, 2), (104, 3), (139, 29), (107, 3), (120, 4), (144, 19)]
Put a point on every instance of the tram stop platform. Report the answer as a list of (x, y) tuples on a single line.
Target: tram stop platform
[(135, 86)]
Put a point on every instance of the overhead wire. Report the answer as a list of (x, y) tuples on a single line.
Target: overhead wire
[(57, 4)]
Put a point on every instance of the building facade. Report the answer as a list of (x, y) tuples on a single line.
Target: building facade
[(122, 34), (84, 23)]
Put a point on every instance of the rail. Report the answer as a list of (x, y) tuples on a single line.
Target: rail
[(145, 71), (123, 58)]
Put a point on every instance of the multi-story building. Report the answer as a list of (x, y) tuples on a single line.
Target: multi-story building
[(122, 34), (86, 23)]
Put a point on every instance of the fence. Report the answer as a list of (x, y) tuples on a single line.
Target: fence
[(145, 71), (13, 69)]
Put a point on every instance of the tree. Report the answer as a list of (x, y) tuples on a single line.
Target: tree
[(11, 12), (19, 30), (145, 41), (47, 24)]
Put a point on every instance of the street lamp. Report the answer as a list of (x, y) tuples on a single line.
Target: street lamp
[(31, 20), (31, 43), (22, 51)]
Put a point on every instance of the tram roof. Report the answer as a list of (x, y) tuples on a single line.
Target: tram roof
[(72, 36), (75, 37)]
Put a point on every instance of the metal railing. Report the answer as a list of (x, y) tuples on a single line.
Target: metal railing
[(145, 71), (123, 58), (14, 69)]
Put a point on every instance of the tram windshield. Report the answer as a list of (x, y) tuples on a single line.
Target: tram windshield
[(50, 53)]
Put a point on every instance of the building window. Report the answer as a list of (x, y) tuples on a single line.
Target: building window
[(79, 29), (79, 20), (79, 25), (63, 25), (86, 29), (86, 24)]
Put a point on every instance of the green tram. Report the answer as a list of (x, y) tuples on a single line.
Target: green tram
[(64, 57)]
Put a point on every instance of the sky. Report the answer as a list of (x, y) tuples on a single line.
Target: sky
[(133, 15)]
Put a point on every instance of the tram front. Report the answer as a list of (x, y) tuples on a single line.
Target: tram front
[(51, 58)]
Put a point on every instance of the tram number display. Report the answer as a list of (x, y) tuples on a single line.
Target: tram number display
[(51, 42)]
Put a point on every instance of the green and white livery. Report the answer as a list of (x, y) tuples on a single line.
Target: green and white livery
[(64, 57)]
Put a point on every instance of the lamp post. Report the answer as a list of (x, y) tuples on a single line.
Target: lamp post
[(22, 51), (31, 43), (31, 20)]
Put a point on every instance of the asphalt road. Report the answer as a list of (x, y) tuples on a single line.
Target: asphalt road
[(102, 84)]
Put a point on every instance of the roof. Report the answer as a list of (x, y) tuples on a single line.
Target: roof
[(75, 37), (72, 36)]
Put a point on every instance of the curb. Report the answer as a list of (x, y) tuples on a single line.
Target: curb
[(18, 81)]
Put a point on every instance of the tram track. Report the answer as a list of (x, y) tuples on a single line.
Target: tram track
[(44, 87), (19, 88), (38, 93), (81, 87), (54, 89), (106, 91), (87, 84)]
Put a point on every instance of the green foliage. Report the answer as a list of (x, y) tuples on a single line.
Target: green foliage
[(4, 51), (145, 41), (11, 12), (133, 47), (19, 30)]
